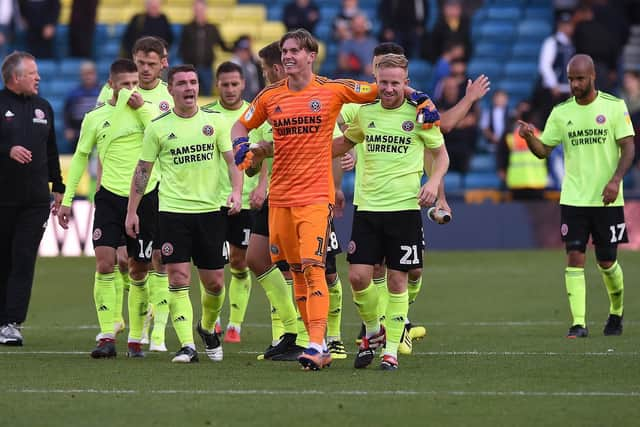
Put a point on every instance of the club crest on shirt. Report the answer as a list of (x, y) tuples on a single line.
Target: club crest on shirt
[(39, 116), (164, 106), (167, 249), (274, 249), (315, 105), (601, 119), (407, 126), (207, 130)]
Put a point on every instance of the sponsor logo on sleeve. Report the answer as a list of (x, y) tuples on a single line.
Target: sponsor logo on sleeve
[(249, 113)]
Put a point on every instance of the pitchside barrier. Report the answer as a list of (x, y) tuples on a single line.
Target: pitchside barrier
[(512, 225)]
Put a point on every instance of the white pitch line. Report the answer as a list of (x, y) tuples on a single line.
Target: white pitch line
[(353, 324), (415, 353), (460, 393)]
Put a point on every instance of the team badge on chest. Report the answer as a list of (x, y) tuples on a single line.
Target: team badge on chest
[(39, 116), (315, 105), (207, 130), (601, 119), (407, 126), (164, 106)]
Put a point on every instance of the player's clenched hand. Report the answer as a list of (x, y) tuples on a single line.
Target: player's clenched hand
[(261, 151), (426, 112), (610, 191), (428, 193), (132, 225), (347, 162), (241, 154), (234, 201), (256, 197), (442, 204), (20, 154), (64, 215), (135, 101)]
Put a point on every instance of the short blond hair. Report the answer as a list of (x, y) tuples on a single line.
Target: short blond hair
[(392, 60)]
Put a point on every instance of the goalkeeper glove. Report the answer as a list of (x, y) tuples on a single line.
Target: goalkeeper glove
[(242, 155), (427, 113)]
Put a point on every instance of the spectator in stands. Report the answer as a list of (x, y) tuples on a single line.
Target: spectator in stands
[(631, 95), (356, 54), (452, 52), (151, 23), (451, 26), (8, 22), (79, 101), (519, 169), (565, 6), (404, 22), (557, 49), (461, 140), (197, 43), (601, 33), (342, 21), (40, 18), (631, 91), (251, 70), (300, 14), (82, 28), (494, 121)]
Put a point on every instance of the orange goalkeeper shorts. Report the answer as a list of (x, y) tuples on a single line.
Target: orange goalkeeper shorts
[(299, 233)]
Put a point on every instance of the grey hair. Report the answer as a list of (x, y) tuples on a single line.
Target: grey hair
[(13, 64)]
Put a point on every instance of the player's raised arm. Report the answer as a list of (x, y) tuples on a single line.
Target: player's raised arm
[(527, 131), (138, 185), (475, 91)]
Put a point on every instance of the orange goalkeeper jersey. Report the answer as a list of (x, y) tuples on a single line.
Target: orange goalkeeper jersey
[(303, 124)]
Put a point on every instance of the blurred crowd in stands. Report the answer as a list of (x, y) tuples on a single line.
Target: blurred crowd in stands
[(437, 33)]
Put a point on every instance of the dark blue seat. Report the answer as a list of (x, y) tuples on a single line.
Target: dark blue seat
[(499, 31), (70, 68), (534, 29), (491, 68), (503, 13), (47, 68), (483, 162), (520, 69), (482, 180)]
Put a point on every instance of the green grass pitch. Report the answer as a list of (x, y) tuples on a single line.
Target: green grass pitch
[(495, 354)]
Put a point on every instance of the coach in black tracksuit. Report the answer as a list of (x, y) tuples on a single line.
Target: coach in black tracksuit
[(28, 162)]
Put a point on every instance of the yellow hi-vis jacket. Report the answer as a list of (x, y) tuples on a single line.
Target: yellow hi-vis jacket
[(525, 170)]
